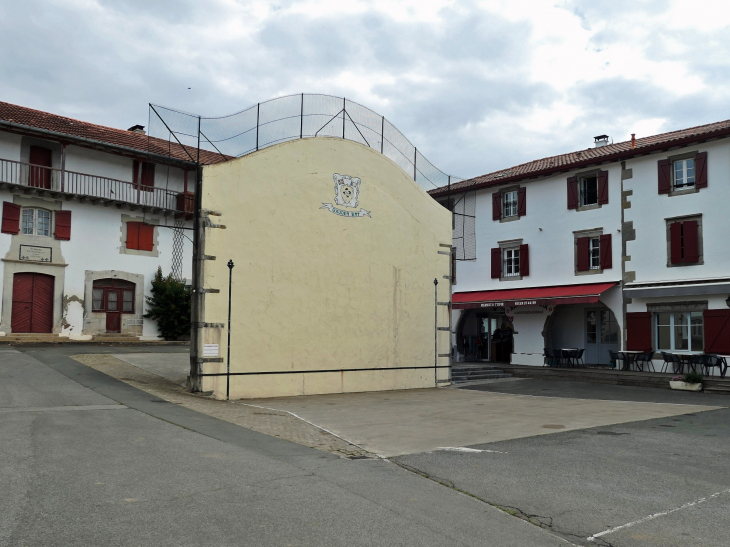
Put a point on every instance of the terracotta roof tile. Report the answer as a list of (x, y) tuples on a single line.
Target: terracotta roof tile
[(99, 133), (572, 160)]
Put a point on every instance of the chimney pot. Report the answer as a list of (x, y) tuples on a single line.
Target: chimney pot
[(137, 129), (633, 140), (600, 140)]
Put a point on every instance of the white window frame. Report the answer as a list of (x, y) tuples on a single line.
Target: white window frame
[(681, 170), (511, 262), (583, 190), (594, 253), (672, 330), (509, 204), (35, 213)]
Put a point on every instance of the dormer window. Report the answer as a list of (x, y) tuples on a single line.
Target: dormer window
[(36, 222)]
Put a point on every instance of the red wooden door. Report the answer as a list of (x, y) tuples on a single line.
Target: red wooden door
[(113, 310), (32, 303), (40, 177)]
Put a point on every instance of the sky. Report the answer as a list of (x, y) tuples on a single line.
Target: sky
[(477, 86)]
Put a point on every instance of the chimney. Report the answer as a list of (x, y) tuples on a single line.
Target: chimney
[(600, 140), (633, 140), (137, 129)]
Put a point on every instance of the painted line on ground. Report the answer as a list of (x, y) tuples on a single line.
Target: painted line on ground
[(657, 515), (62, 408), (469, 450)]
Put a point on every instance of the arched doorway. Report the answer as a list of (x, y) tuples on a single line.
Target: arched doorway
[(32, 303), (113, 297), (481, 336)]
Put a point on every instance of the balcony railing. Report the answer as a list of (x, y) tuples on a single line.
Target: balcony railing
[(57, 181)]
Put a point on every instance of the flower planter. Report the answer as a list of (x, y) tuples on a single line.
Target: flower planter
[(674, 384)]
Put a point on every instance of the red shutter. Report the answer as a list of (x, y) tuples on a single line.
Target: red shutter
[(717, 331), (584, 262), (675, 233), (603, 187), (63, 225), (572, 192), (496, 263), (496, 205), (690, 241), (135, 173), (11, 218), (606, 252), (524, 260), (40, 177), (701, 170), (638, 331), (146, 233), (148, 176), (522, 202), (133, 235), (665, 176)]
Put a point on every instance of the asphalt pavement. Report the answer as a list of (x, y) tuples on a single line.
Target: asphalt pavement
[(90, 460)]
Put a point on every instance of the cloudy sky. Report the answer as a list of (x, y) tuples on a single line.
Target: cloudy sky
[(476, 85)]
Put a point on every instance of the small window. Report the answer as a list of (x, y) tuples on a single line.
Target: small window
[(511, 262), (112, 295), (684, 173), (36, 222), (510, 204), (97, 300), (595, 253), (128, 302), (680, 331), (588, 191)]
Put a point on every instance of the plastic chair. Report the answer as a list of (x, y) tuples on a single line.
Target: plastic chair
[(711, 361)]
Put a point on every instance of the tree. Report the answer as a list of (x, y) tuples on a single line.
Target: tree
[(169, 305)]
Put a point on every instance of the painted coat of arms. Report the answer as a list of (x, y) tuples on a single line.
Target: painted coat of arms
[(347, 194)]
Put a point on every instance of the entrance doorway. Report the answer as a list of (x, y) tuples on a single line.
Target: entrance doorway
[(601, 336), (32, 310), (113, 297), (496, 343)]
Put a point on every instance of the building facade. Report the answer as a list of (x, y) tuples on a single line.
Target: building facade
[(620, 246), (88, 215)]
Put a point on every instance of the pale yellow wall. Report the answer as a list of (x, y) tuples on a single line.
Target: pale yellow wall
[(315, 291)]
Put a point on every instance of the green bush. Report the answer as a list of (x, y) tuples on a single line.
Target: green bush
[(693, 378), (169, 305)]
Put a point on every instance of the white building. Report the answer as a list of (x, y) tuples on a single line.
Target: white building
[(620, 246), (88, 214)]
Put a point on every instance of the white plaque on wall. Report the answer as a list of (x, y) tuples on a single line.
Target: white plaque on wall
[(210, 350), (33, 253)]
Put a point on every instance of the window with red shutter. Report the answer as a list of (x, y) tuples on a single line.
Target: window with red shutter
[(583, 252), (524, 260), (572, 192), (690, 242), (63, 225), (146, 235), (497, 206), (133, 235), (638, 331), (522, 202), (606, 252), (603, 187), (701, 170), (496, 263), (717, 331), (11, 218), (665, 176)]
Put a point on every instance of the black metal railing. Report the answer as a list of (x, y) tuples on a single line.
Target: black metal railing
[(93, 186)]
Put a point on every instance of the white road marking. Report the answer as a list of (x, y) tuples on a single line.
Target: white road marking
[(464, 449), (657, 515)]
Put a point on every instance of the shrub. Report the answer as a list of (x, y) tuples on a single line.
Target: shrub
[(169, 305), (693, 378)]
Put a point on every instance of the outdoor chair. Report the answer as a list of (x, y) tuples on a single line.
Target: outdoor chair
[(710, 361), (579, 357), (573, 356), (616, 358), (673, 360), (548, 357), (646, 358), (559, 356), (697, 362)]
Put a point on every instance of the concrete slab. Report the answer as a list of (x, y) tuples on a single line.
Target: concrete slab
[(392, 423), (173, 366)]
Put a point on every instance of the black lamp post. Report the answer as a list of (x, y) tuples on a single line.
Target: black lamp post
[(228, 358)]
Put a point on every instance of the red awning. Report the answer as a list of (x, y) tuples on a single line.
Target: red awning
[(531, 296)]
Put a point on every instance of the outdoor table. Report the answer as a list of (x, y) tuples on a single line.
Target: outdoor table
[(686, 360), (628, 358), (564, 354)]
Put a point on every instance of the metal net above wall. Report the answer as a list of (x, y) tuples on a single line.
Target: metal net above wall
[(464, 237), (284, 119)]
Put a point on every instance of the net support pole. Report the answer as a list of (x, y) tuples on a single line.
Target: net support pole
[(258, 110), (343, 116), (415, 157), (382, 133), (301, 118)]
